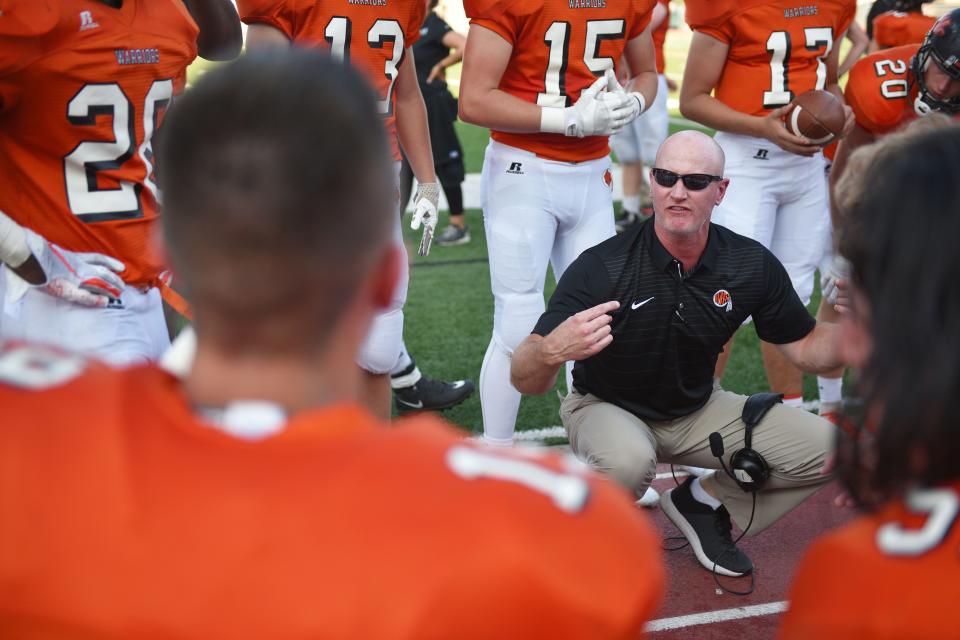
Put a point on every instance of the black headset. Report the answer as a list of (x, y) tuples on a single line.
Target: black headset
[(747, 467)]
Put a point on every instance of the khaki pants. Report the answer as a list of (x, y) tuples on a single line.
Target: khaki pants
[(794, 442)]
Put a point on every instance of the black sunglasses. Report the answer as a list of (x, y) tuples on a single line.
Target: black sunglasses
[(692, 181)]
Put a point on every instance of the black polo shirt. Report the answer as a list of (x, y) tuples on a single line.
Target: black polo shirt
[(671, 326)]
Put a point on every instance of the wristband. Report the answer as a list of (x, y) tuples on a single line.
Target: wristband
[(553, 120), (639, 97), (13, 242)]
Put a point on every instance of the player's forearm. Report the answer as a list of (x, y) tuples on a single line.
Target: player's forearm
[(646, 83), (496, 109), (220, 35), (261, 37), (413, 133), (15, 253), (710, 112), (532, 369)]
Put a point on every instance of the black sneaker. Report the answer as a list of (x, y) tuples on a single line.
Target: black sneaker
[(626, 220), (707, 530), (453, 235), (431, 395)]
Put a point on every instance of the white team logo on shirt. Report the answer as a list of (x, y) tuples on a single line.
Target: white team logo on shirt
[(87, 22), (723, 299)]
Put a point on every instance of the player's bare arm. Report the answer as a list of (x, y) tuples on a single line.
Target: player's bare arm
[(262, 36), (858, 137), (833, 86), (818, 351), (220, 35), (641, 60), (413, 134), (412, 130), (858, 46), (481, 101), (696, 102), (537, 360)]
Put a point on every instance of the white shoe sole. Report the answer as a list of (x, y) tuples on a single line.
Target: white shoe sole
[(649, 499), (671, 511)]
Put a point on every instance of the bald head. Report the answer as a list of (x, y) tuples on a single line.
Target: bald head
[(691, 149)]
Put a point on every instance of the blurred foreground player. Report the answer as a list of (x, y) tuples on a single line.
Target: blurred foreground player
[(894, 573), (377, 39), (256, 499), (84, 84)]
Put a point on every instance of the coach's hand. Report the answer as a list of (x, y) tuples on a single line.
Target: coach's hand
[(773, 129), (581, 335), (87, 279)]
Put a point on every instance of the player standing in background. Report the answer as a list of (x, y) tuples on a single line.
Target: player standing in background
[(894, 573), (756, 56), (540, 75), (905, 23), (890, 88), (377, 39), (256, 498), (637, 143), (84, 84)]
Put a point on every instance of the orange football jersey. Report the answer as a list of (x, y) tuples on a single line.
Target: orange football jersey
[(81, 94), (880, 90), (777, 48), (124, 515), (373, 35), (895, 29), (893, 574), (560, 47), (660, 37)]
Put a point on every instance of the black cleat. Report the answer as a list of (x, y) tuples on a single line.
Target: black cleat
[(431, 395), (707, 530)]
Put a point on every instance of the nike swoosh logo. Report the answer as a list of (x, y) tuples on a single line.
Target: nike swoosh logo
[(457, 384), (413, 405), (637, 305)]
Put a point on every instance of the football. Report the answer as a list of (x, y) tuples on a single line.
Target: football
[(817, 115)]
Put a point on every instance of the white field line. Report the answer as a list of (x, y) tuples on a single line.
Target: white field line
[(712, 617)]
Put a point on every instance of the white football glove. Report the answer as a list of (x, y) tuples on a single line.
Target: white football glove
[(87, 279), (425, 204), (630, 104), (590, 116), (840, 269)]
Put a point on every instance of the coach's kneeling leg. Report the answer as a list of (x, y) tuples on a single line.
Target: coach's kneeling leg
[(611, 440)]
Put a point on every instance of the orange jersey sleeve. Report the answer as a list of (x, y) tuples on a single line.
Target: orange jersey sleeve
[(880, 90), (560, 47), (79, 105), (777, 48), (372, 35), (894, 574), (123, 514), (895, 29)]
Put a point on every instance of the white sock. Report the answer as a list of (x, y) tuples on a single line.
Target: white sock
[(631, 203), (831, 390), (403, 362), (794, 401), (702, 496)]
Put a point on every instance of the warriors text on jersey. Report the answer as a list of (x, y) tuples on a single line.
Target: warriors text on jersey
[(778, 49)]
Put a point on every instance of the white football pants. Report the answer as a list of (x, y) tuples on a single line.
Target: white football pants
[(779, 199), (131, 332), (640, 140), (536, 212)]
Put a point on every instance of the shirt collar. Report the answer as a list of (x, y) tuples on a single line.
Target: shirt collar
[(662, 258)]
